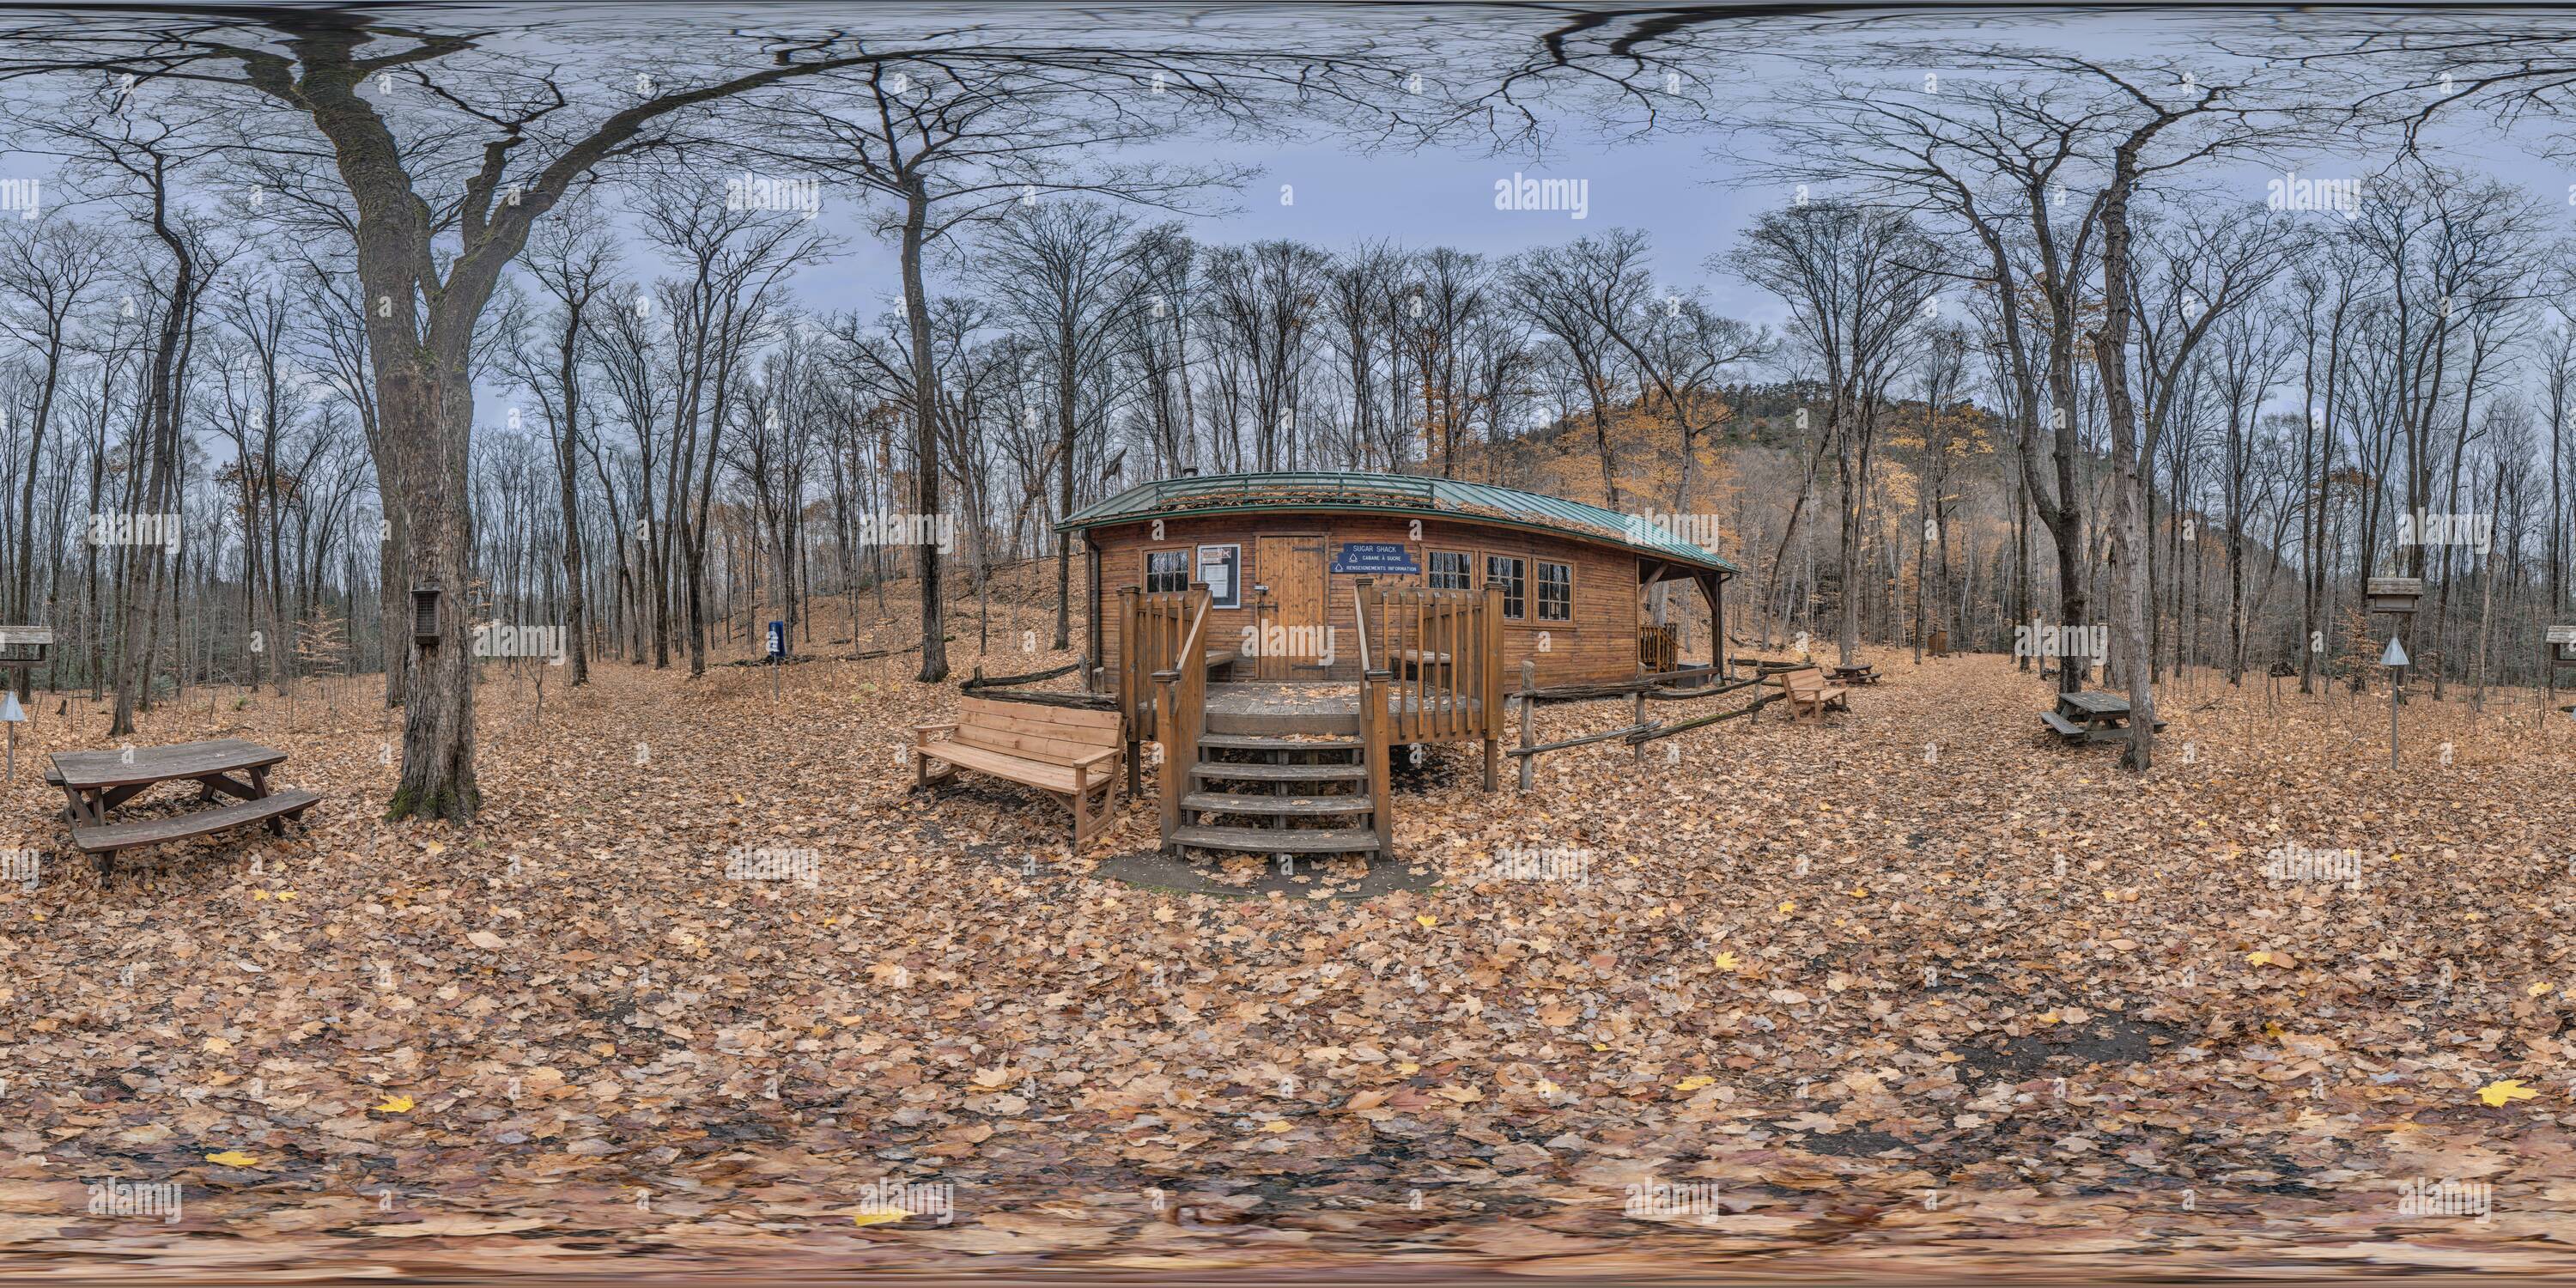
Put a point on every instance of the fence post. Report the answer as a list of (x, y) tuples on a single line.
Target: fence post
[(1529, 692)]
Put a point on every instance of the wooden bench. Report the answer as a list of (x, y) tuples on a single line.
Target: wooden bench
[(1809, 695), (1062, 751)]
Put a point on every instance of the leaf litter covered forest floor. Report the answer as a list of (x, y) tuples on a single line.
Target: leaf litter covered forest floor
[(1829, 980)]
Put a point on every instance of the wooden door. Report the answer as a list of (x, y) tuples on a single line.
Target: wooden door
[(1292, 633)]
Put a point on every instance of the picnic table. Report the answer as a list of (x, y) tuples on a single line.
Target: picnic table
[(1858, 673), (95, 782), (2089, 716)]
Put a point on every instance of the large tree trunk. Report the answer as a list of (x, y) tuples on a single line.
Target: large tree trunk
[(2128, 493), (925, 437)]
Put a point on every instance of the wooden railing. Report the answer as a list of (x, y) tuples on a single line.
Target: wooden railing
[(1443, 652), (1658, 648), (1149, 635), (1180, 708), (1374, 686)]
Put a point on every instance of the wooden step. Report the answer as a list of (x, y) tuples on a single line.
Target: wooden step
[(108, 838), (1261, 840), (1237, 803), (1284, 773), (1256, 742), (1275, 723)]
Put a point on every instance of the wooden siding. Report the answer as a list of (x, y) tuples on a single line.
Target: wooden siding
[(1598, 643)]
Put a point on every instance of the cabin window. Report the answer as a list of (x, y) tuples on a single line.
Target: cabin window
[(1166, 570), (1555, 592), (1217, 568), (1508, 572), (1449, 570)]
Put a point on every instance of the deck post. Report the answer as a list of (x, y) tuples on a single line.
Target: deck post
[(1637, 720), (1529, 690), (1127, 646), (1374, 687)]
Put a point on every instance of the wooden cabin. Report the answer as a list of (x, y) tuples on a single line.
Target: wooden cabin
[(1279, 633), (1282, 553)]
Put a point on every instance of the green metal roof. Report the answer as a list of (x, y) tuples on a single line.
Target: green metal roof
[(1390, 493)]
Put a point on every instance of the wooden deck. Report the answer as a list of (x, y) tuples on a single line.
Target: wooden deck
[(1326, 709)]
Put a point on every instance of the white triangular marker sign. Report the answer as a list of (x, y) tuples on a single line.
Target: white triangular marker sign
[(2396, 654), (9, 708)]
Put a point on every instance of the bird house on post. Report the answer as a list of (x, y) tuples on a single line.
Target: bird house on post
[(2561, 641), (2393, 594), (24, 645), (424, 615)]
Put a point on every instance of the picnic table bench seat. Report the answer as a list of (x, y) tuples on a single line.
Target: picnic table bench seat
[(1062, 751), (108, 838)]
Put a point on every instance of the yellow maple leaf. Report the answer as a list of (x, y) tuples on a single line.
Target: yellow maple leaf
[(435, 847), (1726, 961), (1277, 1125), (259, 894), (284, 895), (1694, 1082), (1427, 921), (2538, 988), (233, 1158), (1788, 905), (395, 1105), (1408, 1067), (2258, 958), (1548, 1087), (2497, 1093), (1859, 892), (875, 1218)]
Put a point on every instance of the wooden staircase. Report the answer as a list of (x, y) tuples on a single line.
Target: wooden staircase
[(1295, 777), (1254, 790)]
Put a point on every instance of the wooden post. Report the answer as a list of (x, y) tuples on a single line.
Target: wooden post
[(1128, 675), (1489, 680), (1637, 719), (1529, 690), (1373, 749)]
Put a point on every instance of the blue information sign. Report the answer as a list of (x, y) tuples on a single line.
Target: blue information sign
[(778, 639), (1374, 557)]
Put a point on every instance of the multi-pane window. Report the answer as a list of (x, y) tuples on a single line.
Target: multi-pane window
[(1448, 570), (1555, 592), (1508, 572), (1166, 570)]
